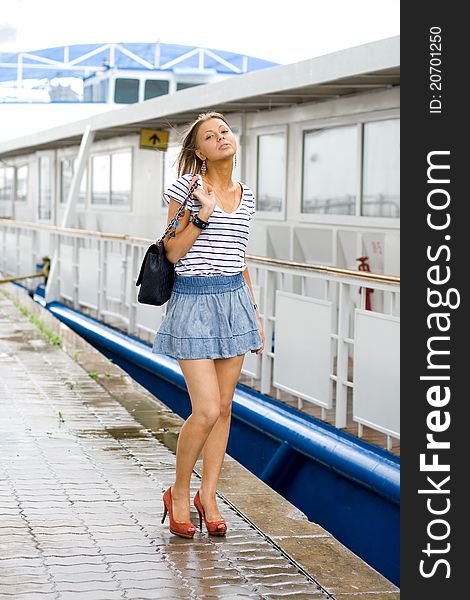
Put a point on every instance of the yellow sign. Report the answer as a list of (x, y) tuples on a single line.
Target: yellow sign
[(153, 138)]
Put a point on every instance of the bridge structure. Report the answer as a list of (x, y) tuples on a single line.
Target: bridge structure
[(29, 76)]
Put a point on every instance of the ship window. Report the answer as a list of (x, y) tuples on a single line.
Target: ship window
[(6, 186), (121, 174), (112, 178), (181, 85), (88, 93), (22, 183), (45, 188), (83, 183), (66, 174), (156, 87), (67, 169), (103, 90), (329, 181), (126, 91), (381, 169), (271, 176), (101, 170)]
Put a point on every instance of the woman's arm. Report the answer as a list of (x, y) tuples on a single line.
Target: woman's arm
[(187, 233), (246, 275)]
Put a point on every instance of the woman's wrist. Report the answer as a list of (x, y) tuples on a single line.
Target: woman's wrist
[(203, 214), (198, 222)]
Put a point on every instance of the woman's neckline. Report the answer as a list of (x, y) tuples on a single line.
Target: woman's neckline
[(239, 204)]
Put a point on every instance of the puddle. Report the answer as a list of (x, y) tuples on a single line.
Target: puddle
[(118, 433), (125, 433)]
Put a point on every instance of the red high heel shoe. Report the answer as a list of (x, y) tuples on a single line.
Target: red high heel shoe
[(182, 528), (218, 527)]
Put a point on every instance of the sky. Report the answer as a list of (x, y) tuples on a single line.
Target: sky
[(283, 32)]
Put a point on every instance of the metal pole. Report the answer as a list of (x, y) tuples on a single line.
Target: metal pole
[(51, 291)]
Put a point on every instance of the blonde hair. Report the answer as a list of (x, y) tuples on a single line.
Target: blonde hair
[(188, 161)]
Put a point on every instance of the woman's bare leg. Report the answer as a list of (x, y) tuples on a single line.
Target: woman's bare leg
[(202, 383), (228, 373)]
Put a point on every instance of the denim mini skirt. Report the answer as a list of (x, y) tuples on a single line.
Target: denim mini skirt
[(208, 316)]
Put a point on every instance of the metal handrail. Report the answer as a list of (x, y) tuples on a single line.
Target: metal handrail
[(289, 264), (8, 279), (43, 273), (393, 279), (74, 231)]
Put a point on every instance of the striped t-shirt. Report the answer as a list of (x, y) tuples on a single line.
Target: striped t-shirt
[(220, 248)]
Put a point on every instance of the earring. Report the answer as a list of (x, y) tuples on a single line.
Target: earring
[(235, 160), (203, 167)]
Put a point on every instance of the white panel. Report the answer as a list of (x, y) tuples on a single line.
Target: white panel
[(392, 253), (252, 362), (302, 356), (316, 244), (66, 271), (114, 275), (278, 242), (374, 249), (27, 267), (148, 316), (88, 277), (347, 249), (377, 372), (315, 288)]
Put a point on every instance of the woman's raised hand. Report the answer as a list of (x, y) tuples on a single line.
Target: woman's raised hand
[(207, 199)]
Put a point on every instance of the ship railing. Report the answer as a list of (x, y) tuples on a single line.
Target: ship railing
[(332, 334)]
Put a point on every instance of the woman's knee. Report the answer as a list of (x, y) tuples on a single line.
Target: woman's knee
[(207, 415), (225, 407)]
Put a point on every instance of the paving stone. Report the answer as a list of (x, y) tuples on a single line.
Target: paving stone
[(54, 552), (157, 572), (10, 508), (76, 561), (60, 532), (158, 594), (23, 570), (14, 521), (88, 586), (19, 579), (15, 562), (111, 551), (132, 568), (58, 572), (88, 577), (117, 595), (28, 596), (122, 543), (64, 540), (25, 588), (19, 552)]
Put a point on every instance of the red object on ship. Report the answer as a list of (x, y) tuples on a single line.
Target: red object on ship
[(364, 266)]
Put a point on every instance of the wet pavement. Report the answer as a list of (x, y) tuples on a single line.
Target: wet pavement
[(81, 483)]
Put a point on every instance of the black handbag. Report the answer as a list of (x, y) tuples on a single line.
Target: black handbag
[(157, 273)]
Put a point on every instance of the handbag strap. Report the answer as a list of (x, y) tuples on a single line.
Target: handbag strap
[(180, 212)]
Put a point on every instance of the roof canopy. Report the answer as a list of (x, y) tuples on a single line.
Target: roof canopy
[(83, 60)]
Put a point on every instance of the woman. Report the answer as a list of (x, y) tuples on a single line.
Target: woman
[(212, 320)]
